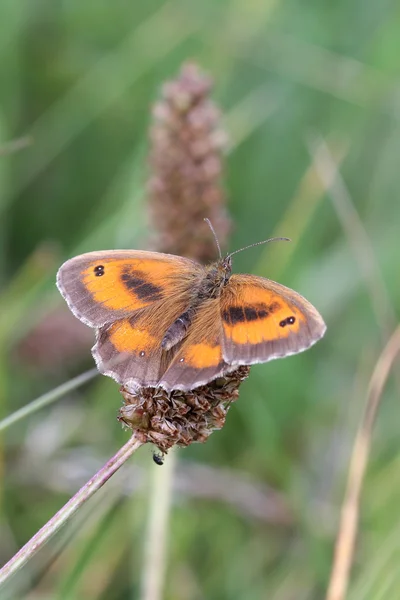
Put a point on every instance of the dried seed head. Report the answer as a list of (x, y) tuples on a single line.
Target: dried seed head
[(180, 418), (186, 165)]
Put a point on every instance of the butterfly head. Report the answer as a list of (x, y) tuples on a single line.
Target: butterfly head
[(217, 276), (226, 267)]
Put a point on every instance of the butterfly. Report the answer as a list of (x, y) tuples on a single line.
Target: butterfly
[(167, 321)]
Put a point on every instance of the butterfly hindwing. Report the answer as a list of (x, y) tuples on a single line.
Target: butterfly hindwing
[(262, 320), (130, 351), (199, 358)]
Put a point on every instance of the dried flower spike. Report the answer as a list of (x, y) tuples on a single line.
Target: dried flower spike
[(186, 166)]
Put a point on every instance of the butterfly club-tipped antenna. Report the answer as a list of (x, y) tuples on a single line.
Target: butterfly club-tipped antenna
[(274, 239), (229, 256), (215, 236)]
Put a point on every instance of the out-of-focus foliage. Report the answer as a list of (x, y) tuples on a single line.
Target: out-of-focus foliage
[(77, 81)]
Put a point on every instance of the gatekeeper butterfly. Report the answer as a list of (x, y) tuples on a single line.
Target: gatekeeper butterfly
[(163, 320)]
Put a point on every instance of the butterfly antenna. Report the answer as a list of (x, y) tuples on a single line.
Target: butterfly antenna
[(275, 239), (215, 235)]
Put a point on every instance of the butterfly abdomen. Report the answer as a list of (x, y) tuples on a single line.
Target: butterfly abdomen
[(177, 331)]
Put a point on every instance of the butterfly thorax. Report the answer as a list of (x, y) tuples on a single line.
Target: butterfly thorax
[(215, 278)]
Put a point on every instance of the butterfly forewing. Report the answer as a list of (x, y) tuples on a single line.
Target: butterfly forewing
[(102, 287), (262, 320)]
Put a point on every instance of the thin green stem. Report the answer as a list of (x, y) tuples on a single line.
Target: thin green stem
[(156, 548), (47, 398), (69, 509)]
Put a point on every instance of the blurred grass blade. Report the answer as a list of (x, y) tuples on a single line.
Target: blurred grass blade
[(345, 542), (113, 74), (357, 237), (48, 398), (296, 218), (15, 145)]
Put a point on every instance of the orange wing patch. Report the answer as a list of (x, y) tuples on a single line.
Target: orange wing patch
[(202, 356), (126, 337), (135, 284), (128, 353)]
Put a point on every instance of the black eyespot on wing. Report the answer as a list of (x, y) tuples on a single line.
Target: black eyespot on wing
[(144, 290), (288, 321), (99, 270)]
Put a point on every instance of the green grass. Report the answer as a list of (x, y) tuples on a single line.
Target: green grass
[(80, 79)]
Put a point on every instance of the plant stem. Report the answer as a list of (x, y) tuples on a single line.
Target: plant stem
[(155, 555), (69, 509)]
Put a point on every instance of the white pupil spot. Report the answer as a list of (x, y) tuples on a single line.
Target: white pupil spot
[(181, 359), (142, 353)]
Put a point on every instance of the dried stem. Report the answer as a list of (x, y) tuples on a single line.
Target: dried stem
[(345, 542), (155, 557), (69, 509)]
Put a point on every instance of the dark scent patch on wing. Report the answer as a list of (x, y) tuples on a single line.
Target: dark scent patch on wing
[(233, 315), (143, 289), (239, 314)]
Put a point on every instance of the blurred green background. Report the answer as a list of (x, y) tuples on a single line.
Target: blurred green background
[(255, 509)]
